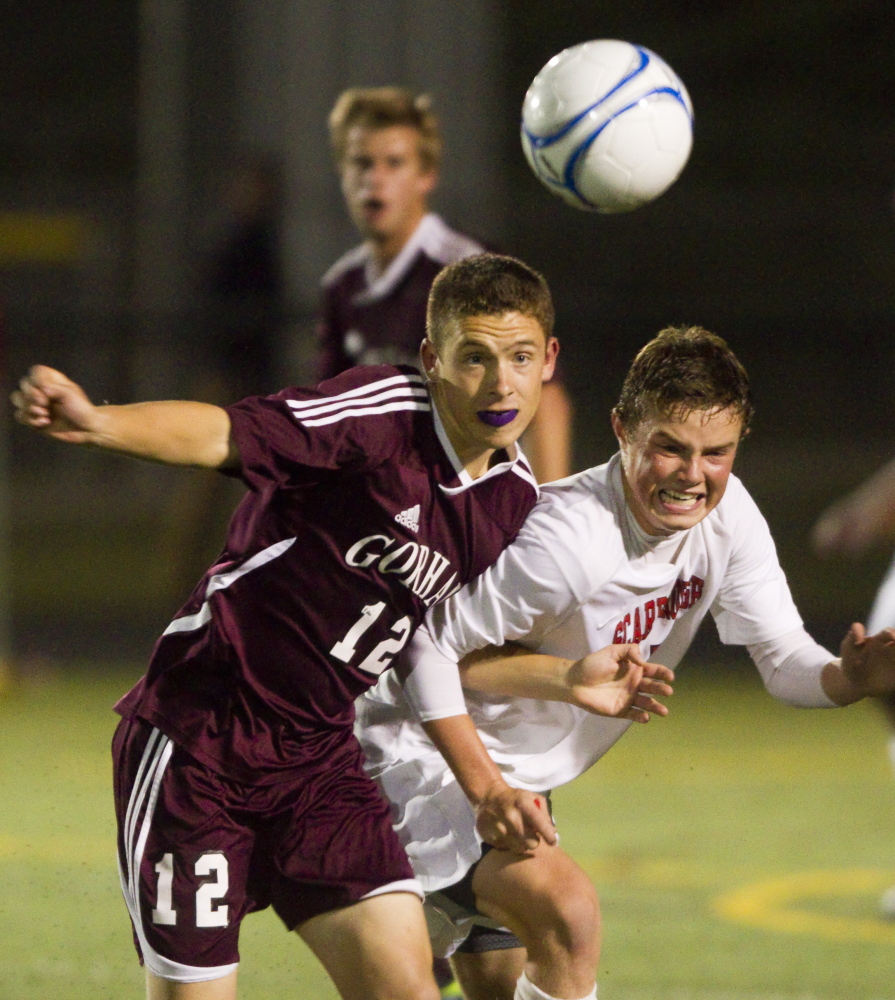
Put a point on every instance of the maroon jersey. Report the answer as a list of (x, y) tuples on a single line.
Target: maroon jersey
[(371, 319), (359, 517)]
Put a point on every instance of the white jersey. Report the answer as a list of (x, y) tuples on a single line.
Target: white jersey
[(581, 575), (882, 614)]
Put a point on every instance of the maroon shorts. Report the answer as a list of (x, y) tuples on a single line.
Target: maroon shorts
[(197, 851)]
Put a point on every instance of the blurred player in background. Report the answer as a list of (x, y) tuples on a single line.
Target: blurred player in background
[(239, 783), (387, 147), (236, 345), (242, 288), (639, 550), (851, 526)]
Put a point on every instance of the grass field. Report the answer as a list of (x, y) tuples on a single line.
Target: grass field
[(739, 848)]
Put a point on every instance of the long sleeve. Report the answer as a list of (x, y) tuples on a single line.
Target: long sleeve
[(432, 686), (791, 668)]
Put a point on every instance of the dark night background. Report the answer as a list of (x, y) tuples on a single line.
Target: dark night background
[(780, 236)]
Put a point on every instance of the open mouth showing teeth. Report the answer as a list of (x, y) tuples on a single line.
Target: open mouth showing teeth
[(680, 499)]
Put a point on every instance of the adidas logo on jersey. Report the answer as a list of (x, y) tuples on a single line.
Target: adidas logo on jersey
[(410, 518)]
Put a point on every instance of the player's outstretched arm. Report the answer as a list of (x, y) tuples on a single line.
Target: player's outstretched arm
[(506, 817), (173, 432), (866, 668), (857, 520), (616, 681)]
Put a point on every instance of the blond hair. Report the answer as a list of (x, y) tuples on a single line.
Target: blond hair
[(381, 107)]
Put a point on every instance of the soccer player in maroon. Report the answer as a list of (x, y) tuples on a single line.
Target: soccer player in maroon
[(387, 147), (369, 499)]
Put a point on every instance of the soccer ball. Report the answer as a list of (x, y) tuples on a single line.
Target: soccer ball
[(607, 126)]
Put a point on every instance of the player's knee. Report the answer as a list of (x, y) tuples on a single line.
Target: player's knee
[(416, 984), (548, 901), (571, 919), (561, 918), (408, 976)]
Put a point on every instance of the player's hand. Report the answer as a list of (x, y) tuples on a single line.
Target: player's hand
[(617, 681), (868, 661), (49, 402), (514, 820)]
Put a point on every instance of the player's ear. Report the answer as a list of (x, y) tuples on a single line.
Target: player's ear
[(429, 359), (618, 429), (551, 354), (428, 181)]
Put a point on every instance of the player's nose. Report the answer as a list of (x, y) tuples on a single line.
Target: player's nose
[(377, 172), (501, 380), (691, 471)]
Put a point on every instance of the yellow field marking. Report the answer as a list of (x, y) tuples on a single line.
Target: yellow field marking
[(771, 905), (42, 237)]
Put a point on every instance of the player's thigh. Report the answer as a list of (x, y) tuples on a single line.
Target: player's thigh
[(330, 843), (544, 898), (184, 860), (375, 949), (215, 989), (489, 975)]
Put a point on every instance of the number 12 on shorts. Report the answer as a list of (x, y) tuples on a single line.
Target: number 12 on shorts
[(208, 914)]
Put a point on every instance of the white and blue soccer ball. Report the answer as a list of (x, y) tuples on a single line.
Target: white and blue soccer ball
[(607, 126)]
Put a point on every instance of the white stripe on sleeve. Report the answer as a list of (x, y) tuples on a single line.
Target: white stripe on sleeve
[(350, 394), (330, 406), (367, 412)]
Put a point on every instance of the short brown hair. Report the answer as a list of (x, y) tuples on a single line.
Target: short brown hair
[(486, 284), (381, 107), (684, 368)]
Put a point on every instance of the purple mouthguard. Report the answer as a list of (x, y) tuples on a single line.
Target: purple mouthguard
[(497, 418)]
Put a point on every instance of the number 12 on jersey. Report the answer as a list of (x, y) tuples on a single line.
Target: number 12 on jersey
[(385, 651)]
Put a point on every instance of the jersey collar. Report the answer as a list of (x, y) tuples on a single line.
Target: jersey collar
[(517, 461), (381, 284), (636, 539)]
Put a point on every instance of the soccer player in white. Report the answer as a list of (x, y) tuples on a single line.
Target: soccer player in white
[(851, 526), (638, 550)]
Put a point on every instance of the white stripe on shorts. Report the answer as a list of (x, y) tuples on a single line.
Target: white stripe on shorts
[(141, 803), (404, 885)]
